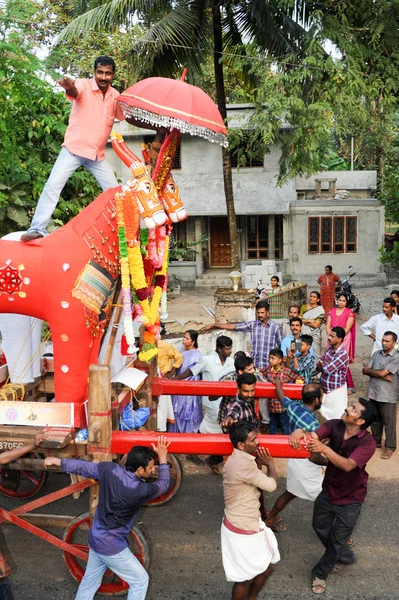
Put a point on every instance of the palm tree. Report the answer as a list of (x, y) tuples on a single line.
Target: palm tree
[(183, 33)]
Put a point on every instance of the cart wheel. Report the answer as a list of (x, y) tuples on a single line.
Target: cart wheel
[(176, 476), (25, 484), (76, 534)]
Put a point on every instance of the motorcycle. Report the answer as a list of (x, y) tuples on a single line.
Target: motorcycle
[(345, 288)]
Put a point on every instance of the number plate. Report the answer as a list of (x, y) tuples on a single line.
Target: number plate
[(10, 445)]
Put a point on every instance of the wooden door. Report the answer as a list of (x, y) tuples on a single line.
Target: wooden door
[(220, 242)]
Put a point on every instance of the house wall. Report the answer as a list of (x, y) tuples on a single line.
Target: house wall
[(200, 180), (370, 236)]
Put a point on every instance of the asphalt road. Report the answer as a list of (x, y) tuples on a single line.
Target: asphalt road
[(186, 558)]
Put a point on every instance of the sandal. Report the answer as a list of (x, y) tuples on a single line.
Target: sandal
[(387, 454), (318, 585)]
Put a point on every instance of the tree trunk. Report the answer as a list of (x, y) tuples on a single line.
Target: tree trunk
[(221, 102)]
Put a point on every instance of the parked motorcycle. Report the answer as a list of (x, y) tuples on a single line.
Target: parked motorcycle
[(346, 289)]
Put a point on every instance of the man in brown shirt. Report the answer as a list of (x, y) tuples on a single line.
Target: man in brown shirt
[(249, 548)]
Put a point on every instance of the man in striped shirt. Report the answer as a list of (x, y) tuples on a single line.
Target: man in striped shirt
[(265, 334), (333, 366), (304, 478)]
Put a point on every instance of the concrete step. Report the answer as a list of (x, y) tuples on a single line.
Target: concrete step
[(213, 283)]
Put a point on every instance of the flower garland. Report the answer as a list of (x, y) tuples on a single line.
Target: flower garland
[(156, 246), (125, 274), (132, 273)]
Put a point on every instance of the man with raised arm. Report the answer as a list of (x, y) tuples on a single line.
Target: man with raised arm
[(94, 109), (337, 508), (249, 548), (123, 491)]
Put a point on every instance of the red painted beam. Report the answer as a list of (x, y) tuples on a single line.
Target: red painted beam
[(199, 443), (161, 386), (44, 535)]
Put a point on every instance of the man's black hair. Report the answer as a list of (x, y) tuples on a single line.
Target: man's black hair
[(328, 267), (390, 301), (223, 342), (295, 320), (276, 352), (239, 354), (246, 379), (276, 277), (262, 304), (392, 334), (294, 306), (241, 362), (306, 338), (339, 332), (105, 61), (311, 392), (139, 456), (239, 432), (369, 413)]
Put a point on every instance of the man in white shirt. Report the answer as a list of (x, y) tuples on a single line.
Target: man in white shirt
[(249, 548), (379, 324), (212, 367)]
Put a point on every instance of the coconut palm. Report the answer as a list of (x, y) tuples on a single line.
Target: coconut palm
[(184, 33)]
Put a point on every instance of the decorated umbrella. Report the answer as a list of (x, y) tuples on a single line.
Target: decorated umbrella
[(174, 104)]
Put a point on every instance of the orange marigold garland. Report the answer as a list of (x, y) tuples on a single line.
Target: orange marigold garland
[(132, 270)]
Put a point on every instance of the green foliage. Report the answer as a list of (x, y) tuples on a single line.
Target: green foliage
[(390, 258), (32, 126), (185, 251)]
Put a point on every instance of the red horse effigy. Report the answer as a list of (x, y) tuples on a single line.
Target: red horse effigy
[(69, 277)]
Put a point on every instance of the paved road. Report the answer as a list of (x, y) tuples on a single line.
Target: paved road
[(186, 562)]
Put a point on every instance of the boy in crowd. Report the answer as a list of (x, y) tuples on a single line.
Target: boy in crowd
[(273, 372), (301, 361)]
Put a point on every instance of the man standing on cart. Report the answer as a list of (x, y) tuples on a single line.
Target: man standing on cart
[(123, 491)]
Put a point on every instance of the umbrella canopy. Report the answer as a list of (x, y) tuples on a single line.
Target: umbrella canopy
[(172, 103)]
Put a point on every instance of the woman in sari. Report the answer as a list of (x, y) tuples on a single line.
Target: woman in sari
[(312, 315), (188, 409), (344, 317), (328, 282)]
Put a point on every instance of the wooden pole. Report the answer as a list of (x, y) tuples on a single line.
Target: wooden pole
[(100, 427)]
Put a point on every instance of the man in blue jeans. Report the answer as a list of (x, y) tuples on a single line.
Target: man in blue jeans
[(94, 109), (123, 491)]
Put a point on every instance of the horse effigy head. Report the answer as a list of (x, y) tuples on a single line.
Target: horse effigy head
[(141, 184), (172, 201)]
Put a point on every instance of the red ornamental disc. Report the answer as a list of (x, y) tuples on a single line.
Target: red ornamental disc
[(10, 280)]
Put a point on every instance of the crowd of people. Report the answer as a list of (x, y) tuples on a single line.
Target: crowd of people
[(334, 478)]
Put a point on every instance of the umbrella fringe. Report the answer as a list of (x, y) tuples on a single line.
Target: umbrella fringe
[(171, 123)]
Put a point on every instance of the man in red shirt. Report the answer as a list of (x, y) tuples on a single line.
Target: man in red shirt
[(337, 507), (94, 109)]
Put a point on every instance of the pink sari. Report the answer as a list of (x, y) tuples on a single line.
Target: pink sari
[(349, 342)]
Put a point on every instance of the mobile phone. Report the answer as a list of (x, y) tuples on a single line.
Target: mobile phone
[(298, 343)]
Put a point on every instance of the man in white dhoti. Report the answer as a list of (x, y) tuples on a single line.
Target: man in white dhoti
[(333, 366), (304, 478), (249, 548)]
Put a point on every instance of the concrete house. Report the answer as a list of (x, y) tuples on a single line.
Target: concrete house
[(330, 218)]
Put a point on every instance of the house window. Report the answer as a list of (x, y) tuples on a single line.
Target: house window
[(148, 139), (332, 235), (249, 152), (258, 237)]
